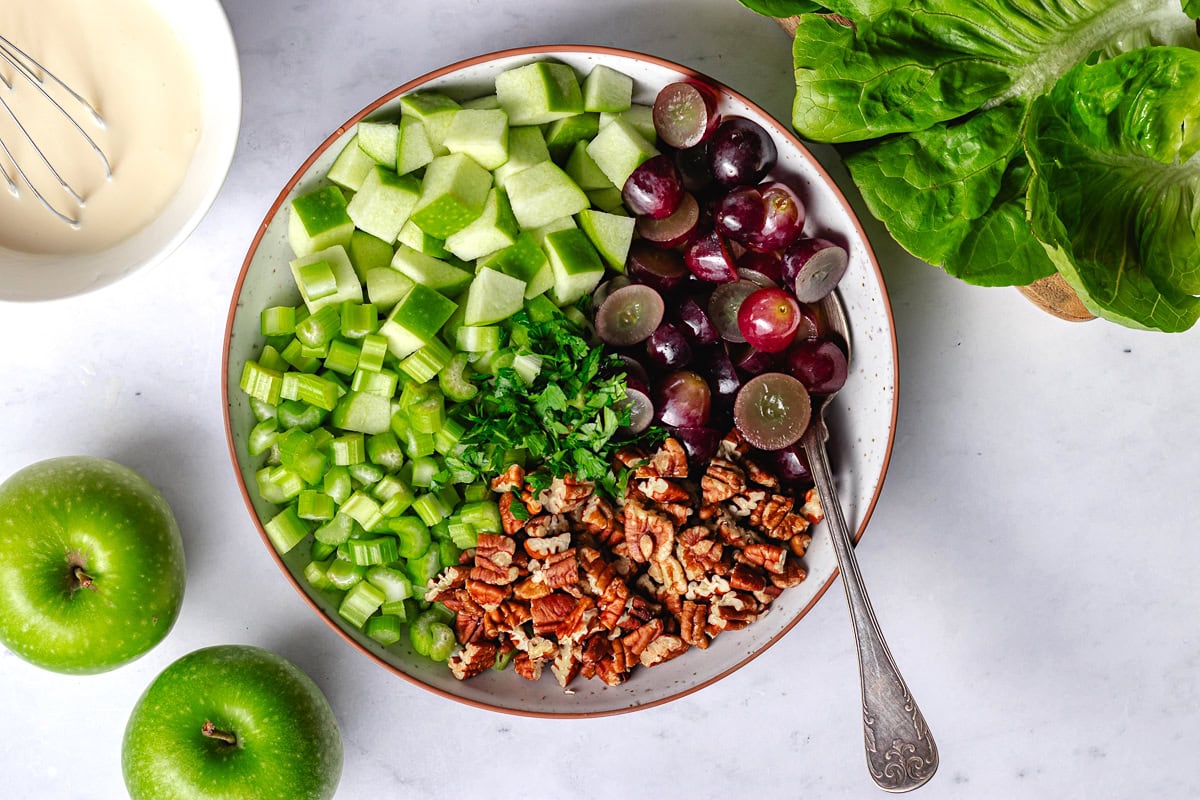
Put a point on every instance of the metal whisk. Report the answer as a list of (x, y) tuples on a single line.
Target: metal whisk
[(47, 86)]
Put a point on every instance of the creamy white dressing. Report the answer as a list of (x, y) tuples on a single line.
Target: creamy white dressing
[(126, 61)]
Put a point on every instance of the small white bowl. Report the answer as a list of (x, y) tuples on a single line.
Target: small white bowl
[(861, 418), (203, 30)]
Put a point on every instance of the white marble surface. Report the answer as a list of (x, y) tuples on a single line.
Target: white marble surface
[(1032, 557)]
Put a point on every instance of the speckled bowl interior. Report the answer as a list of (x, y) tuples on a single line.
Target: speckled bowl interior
[(862, 418), (204, 33)]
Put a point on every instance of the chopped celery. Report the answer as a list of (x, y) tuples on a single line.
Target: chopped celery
[(345, 574), (394, 583), (342, 357), (477, 338), (426, 362), (373, 352), (362, 412), (463, 534), (382, 382), (359, 319), (312, 389), (360, 602), (363, 509), (320, 327), (293, 354), (316, 279), (403, 610), (448, 551), (483, 515), (384, 628), (337, 484), (270, 358), (424, 468), (262, 436), (377, 550), (315, 573), (476, 492), (336, 531), (315, 505), (384, 450), (286, 530), (298, 414), (453, 382), (400, 498), (431, 637), (427, 415), (448, 436), (261, 383), (319, 551), (412, 536), (277, 321), (349, 448), (527, 365), (262, 410), (285, 482), (430, 508), (365, 473)]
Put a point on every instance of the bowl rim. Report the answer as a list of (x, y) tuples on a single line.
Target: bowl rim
[(411, 85)]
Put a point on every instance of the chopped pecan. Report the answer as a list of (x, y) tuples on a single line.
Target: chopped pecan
[(530, 589), (597, 573), (671, 575), (793, 574), (567, 663), (670, 461), (698, 552), (812, 510), (661, 490), (596, 516), (756, 474), (559, 571), (770, 557), (722, 480), (612, 604), (508, 616), (713, 586), (664, 648), (733, 534), (791, 525), (747, 578), (677, 512), (565, 495), (494, 559), (732, 446), (799, 543), (771, 511), (472, 660), (746, 504), (468, 628), (732, 611), (550, 611), (511, 480), (548, 545), (614, 667), (452, 578), (510, 523), (640, 638), (526, 667), (547, 525), (487, 595), (648, 534), (692, 620), (579, 622)]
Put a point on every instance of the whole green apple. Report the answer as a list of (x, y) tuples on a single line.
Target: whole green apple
[(91, 565), (235, 722)]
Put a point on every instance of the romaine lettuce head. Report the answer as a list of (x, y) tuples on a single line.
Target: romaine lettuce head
[(1115, 189)]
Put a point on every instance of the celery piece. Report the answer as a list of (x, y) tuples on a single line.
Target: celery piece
[(448, 437), (315, 573), (418, 444), (319, 551), (341, 357), (293, 354), (360, 602), (270, 358), (344, 574), (453, 382), (384, 450), (400, 497), (315, 505), (388, 487), (349, 448), (363, 509), (362, 412), (312, 389), (373, 551), (337, 484), (277, 321), (382, 382), (320, 327), (384, 628), (426, 362), (483, 515), (477, 338), (373, 352), (298, 414), (365, 474), (267, 488), (263, 410), (403, 610), (463, 534), (428, 415), (503, 659), (262, 436), (394, 583), (412, 536), (359, 319), (422, 569), (285, 483), (336, 531), (317, 351), (448, 550), (322, 438), (286, 530), (424, 468), (261, 383), (430, 508), (316, 279), (293, 443), (431, 637), (476, 492), (527, 365)]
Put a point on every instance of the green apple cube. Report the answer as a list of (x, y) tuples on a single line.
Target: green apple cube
[(493, 296), (618, 149), (368, 252), (542, 194), (421, 241), (379, 140), (362, 412), (386, 286), (453, 192), (435, 111), (494, 229), (606, 89), (415, 320), (526, 147), (318, 220), (525, 260), (610, 234), (561, 224), (351, 166), (583, 170), (607, 199), (641, 117), (561, 135), (428, 271), (482, 134), (413, 151), (576, 264), (486, 101), (346, 283), (384, 203), (539, 93)]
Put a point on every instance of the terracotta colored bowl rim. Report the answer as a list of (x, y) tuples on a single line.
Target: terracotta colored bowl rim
[(411, 86)]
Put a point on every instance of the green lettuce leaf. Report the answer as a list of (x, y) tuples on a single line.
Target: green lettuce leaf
[(941, 91), (783, 8), (1115, 191)]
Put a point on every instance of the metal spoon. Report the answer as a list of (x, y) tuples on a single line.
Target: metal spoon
[(901, 754)]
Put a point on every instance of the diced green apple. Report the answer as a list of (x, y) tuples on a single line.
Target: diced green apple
[(378, 140), (435, 111), (383, 204), (493, 296), (606, 89), (538, 93), (346, 283), (481, 134), (413, 150), (610, 234), (618, 149), (426, 270), (561, 135), (576, 264), (351, 166), (543, 193), (368, 252), (493, 229), (453, 192), (318, 220), (525, 260), (641, 117), (583, 170), (415, 320), (526, 147), (386, 287)]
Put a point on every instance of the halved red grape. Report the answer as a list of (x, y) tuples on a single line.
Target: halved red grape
[(629, 314), (782, 218), (601, 292), (654, 266), (641, 410), (724, 304), (820, 364), (752, 361), (694, 322), (710, 259), (768, 319), (654, 189), (668, 347), (685, 113), (772, 410), (636, 376), (673, 230), (684, 400), (790, 463), (739, 212), (752, 264), (700, 443), (722, 374), (814, 267), (740, 152), (692, 164)]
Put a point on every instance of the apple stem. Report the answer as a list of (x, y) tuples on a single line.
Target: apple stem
[(212, 732), (81, 578)]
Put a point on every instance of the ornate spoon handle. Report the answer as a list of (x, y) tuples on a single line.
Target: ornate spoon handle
[(901, 754)]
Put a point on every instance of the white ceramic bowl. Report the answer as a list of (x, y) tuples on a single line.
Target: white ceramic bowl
[(862, 418), (204, 32)]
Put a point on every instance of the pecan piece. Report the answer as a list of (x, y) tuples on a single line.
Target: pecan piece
[(661, 490), (664, 648), (756, 474), (550, 611), (648, 534), (596, 516), (511, 480), (732, 611), (612, 604), (472, 660), (614, 668), (722, 480), (793, 574), (494, 559), (559, 571), (692, 619), (579, 622), (640, 638), (698, 552), (799, 543), (547, 546), (768, 556), (747, 578), (510, 523), (468, 628), (771, 512), (670, 461), (530, 589), (565, 495), (487, 595), (812, 510), (566, 664)]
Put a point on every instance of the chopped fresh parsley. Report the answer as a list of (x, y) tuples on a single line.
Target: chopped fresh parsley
[(567, 420)]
